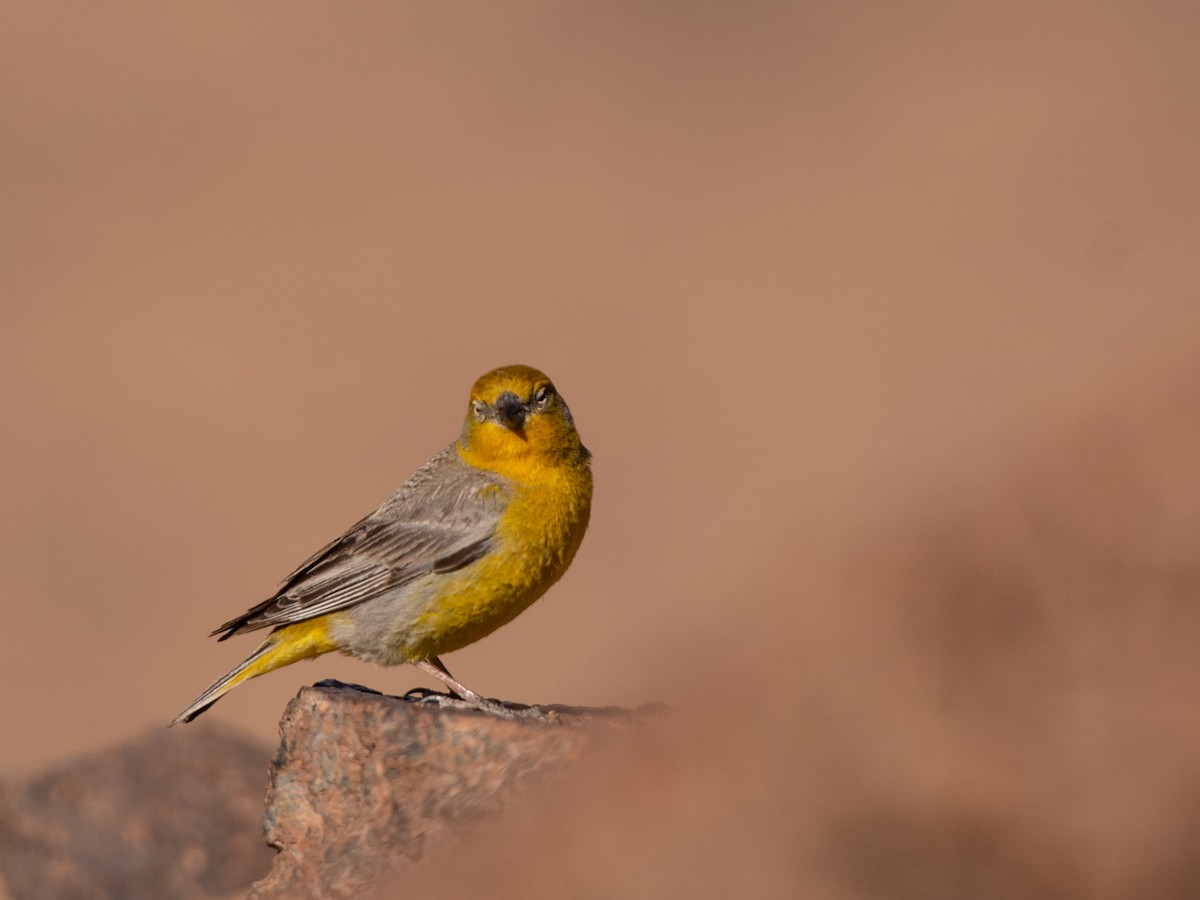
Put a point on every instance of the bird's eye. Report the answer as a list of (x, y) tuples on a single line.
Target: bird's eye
[(542, 394), (479, 408)]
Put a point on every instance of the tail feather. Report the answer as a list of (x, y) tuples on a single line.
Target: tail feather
[(227, 682), (286, 645)]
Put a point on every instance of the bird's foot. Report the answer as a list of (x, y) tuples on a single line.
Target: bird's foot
[(499, 708)]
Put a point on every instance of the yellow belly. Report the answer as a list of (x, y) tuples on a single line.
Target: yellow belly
[(535, 543)]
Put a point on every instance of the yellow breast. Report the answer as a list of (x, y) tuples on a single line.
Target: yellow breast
[(536, 539)]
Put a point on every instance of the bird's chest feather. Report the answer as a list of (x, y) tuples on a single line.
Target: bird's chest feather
[(542, 527), (535, 540)]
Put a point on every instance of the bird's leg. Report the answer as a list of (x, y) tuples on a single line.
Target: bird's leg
[(435, 667), (457, 689), (464, 696)]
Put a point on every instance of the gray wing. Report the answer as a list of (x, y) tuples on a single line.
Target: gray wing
[(441, 519)]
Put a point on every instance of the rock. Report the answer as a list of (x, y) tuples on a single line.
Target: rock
[(174, 814), (364, 783)]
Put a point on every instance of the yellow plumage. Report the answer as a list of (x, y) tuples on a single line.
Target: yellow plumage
[(470, 541)]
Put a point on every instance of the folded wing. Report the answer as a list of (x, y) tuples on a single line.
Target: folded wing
[(441, 519)]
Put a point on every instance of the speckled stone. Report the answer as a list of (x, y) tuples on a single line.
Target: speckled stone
[(363, 782)]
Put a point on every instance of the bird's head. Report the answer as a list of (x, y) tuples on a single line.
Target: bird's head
[(515, 414)]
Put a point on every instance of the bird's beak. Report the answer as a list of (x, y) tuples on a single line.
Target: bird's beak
[(510, 411)]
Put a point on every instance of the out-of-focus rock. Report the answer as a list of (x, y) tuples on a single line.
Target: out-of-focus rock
[(364, 784), (174, 814)]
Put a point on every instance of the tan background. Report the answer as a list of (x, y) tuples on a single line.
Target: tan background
[(822, 283)]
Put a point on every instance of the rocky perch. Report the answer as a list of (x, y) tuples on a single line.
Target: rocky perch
[(363, 784)]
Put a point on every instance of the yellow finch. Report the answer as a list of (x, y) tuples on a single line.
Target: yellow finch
[(467, 543)]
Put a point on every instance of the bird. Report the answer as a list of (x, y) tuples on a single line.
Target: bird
[(467, 543)]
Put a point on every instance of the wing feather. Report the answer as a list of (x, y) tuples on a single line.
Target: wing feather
[(441, 519)]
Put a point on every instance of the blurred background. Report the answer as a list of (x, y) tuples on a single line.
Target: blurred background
[(882, 322)]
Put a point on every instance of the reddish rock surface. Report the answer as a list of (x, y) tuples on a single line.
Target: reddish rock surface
[(364, 783), (174, 814)]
